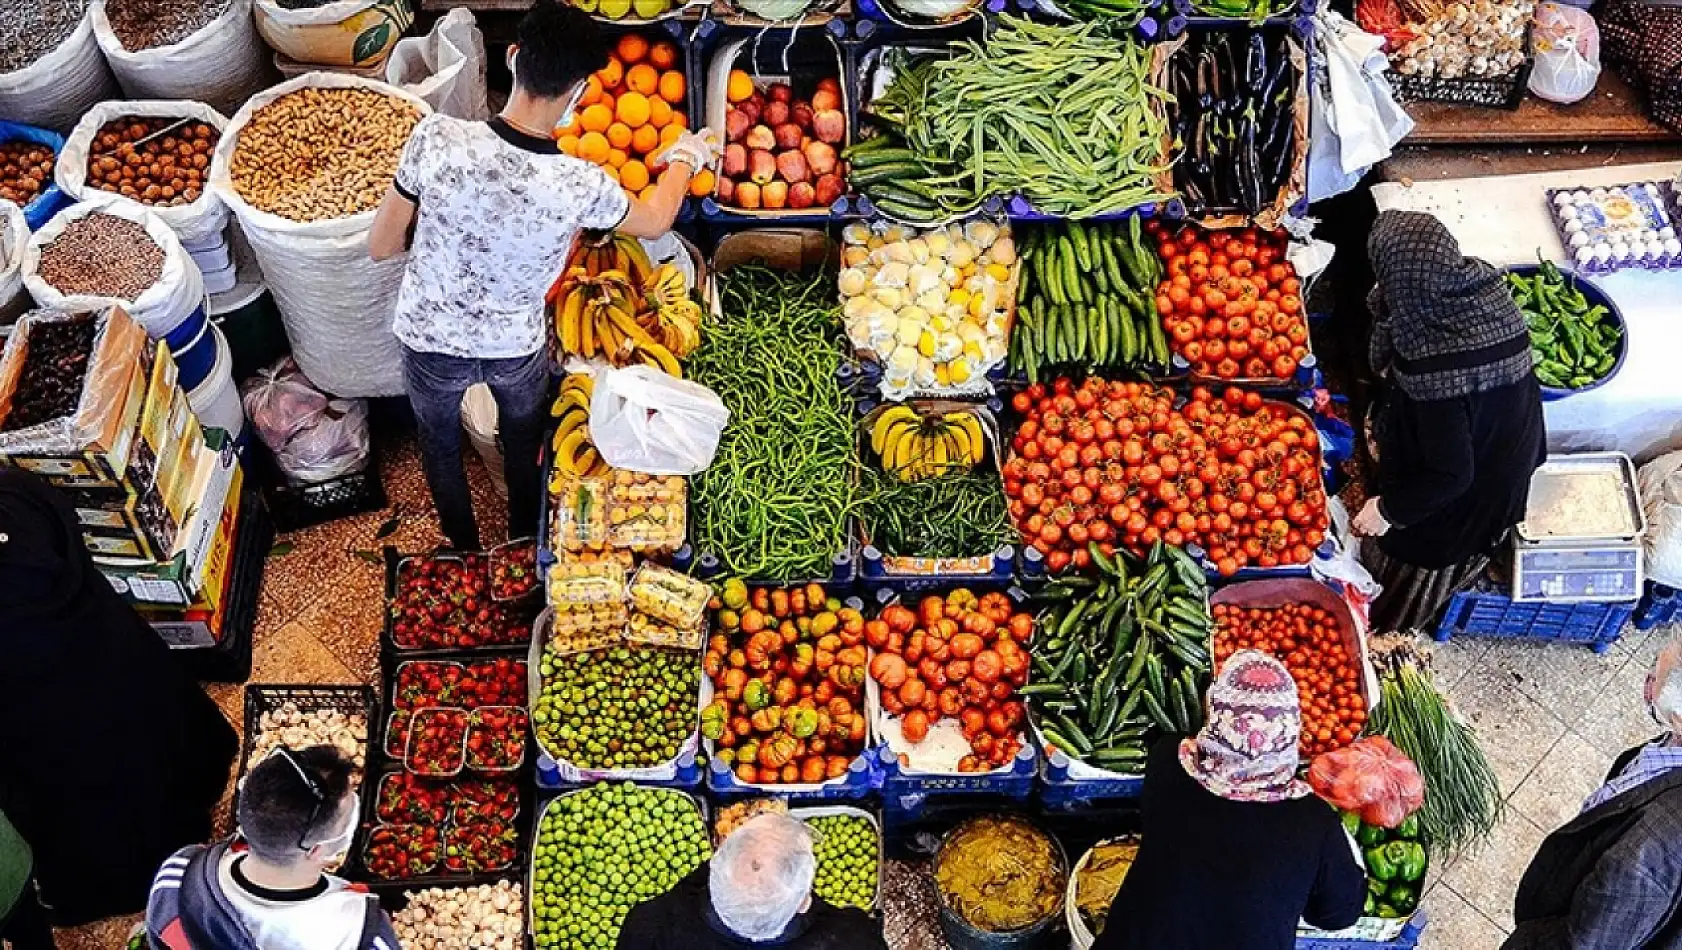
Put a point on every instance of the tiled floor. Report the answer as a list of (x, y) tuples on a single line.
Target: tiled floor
[(1551, 718)]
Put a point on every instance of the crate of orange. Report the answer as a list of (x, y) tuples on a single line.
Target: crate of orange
[(632, 108), (1312, 630)]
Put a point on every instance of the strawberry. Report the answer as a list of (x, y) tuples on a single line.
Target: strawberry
[(436, 742), (399, 851), (496, 738)]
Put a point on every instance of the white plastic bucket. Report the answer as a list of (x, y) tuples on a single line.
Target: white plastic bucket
[(216, 400)]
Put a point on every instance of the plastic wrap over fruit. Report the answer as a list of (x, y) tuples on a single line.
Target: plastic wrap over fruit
[(314, 439)]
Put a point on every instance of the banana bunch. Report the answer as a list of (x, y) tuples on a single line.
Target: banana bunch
[(914, 447), (575, 455), (675, 313), (599, 306)]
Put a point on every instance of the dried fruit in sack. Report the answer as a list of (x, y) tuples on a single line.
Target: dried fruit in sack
[(480, 847), (788, 669), (395, 852), (26, 169), (1310, 642), (437, 742), (166, 170), (1231, 302), (848, 856), (958, 657), (496, 738), (405, 799), (514, 573), (55, 364), (619, 708), (1372, 777), (428, 683)]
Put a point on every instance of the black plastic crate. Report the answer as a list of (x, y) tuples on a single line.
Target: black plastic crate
[(392, 560), (392, 890), (229, 661), (263, 697)]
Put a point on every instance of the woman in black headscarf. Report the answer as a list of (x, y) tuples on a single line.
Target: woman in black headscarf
[(111, 758), (1459, 431)]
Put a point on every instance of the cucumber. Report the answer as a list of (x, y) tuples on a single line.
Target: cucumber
[(870, 158), (889, 172), (899, 210), (893, 192)]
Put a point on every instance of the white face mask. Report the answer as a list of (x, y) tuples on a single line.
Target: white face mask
[(338, 846), (572, 99)]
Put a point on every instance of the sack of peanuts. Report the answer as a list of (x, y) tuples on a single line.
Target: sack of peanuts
[(334, 33), (304, 166), (54, 71), (204, 50), (108, 251), (153, 152), (14, 234)]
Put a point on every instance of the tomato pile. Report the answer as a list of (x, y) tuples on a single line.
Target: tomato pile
[(1231, 303), (1309, 642), (959, 657), (1117, 465)]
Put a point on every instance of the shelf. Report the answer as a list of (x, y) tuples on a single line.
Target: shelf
[(1611, 114)]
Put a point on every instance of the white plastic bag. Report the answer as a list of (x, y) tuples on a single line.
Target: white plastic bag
[(313, 438), (1355, 120), (222, 63), (479, 418), (1660, 482), (335, 300), (194, 223), (445, 67), (1344, 568), (646, 421), (14, 234), (160, 308), (56, 89), (1566, 44)]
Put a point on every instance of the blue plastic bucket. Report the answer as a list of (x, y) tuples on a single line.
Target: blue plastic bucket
[(195, 358), (52, 199)]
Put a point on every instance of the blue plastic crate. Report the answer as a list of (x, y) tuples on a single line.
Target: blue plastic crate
[(875, 573), (864, 777), (1659, 604), (906, 792), (1491, 613), (1059, 791), (1406, 940), (689, 775)]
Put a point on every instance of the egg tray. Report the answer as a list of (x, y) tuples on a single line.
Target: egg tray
[(1656, 201)]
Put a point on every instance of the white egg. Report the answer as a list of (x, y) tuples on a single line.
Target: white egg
[(1579, 238), (1584, 256), (1572, 226)]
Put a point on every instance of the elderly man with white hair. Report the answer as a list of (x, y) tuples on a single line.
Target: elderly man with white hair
[(756, 892), (1611, 878)]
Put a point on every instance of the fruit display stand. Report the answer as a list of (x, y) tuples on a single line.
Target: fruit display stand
[(808, 813)]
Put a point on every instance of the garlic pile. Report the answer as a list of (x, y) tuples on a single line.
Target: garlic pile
[(487, 917), (1480, 39), (298, 728), (931, 305)]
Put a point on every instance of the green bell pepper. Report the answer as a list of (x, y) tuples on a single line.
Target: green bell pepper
[(1403, 897), (1408, 859), (1351, 822), (1370, 908), (1375, 887), (1388, 912), (1409, 828), (1379, 864), (1370, 836)]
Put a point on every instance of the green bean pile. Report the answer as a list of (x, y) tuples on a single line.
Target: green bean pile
[(775, 503), (950, 516), (1065, 116)]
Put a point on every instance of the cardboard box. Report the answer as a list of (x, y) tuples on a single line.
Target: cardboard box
[(204, 622), (114, 532), (176, 580)]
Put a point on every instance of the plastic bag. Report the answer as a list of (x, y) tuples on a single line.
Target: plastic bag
[(1660, 482), (1566, 45), (313, 438), (646, 421), (1370, 776), (160, 308), (56, 89), (1342, 569), (1355, 120), (221, 64), (194, 223), (335, 300), (14, 234), (445, 67), (478, 417)]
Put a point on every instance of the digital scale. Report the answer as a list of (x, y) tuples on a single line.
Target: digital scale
[(1556, 562)]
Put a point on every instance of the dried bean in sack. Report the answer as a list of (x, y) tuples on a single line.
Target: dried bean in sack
[(51, 69), (153, 279), (205, 51), (303, 166), (169, 174), (101, 256)]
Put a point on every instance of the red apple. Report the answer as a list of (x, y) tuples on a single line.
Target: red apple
[(830, 84), (779, 92), (830, 126), (735, 159), (752, 109), (820, 157), (788, 135), (775, 195), (825, 100), (726, 190), (736, 125), (747, 195), (801, 115), (775, 114), (801, 194), (791, 165), (761, 137), (762, 166), (828, 189)]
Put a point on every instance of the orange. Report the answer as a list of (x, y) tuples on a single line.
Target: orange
[(596, 118), (568, 144), (663, 55), (632, 48), (659, 112), (647, 194), (679, 121), (592, 92), (645, 140), (671, 87), (643, 78), (612, 172), (632, 109), (611, 74), (740, 86), (703, 183), (606, 100), (619, 135), (633, 175), (592, 147), (669, 134), (617, 157)]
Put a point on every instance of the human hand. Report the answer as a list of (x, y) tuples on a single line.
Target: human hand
[(698, 150), (1369, 522)]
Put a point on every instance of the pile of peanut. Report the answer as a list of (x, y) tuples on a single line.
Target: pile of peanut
[(317, 154)]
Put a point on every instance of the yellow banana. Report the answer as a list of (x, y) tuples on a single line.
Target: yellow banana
[(662, 358), (567, 318), (885, 422), (566, 453)]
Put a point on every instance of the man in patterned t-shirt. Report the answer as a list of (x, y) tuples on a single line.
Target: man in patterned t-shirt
[(495, 208)]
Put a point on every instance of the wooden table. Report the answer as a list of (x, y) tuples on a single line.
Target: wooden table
[(1612, 113)]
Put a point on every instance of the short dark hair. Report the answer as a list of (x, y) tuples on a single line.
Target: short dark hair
[(559, 46), (275, 803)]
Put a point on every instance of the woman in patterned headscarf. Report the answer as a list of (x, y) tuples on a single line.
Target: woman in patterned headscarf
[(1459, 431), (1234, 848)]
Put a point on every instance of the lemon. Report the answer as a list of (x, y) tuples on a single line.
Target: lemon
[(959, 372), (649, 9), (615, 9), (925, 343)]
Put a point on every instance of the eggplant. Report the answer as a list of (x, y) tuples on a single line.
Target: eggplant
[(1255, 65)]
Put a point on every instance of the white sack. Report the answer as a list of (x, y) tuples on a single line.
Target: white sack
[(222, 63), (1660, 482), (335, 300), (56, 89), (14, 234), (194, 223), (445, 67)]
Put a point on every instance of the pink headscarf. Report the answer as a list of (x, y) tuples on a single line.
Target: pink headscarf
[(1247, 751)]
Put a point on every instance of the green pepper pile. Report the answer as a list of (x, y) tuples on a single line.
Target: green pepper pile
[(1395, 865), (1574, 344)]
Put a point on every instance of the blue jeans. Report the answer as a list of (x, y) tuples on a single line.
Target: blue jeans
[(520, 385)]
